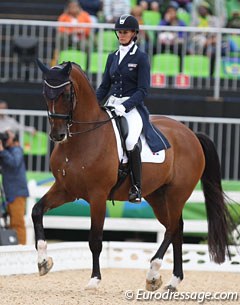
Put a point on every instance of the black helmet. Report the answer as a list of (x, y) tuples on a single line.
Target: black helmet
[(127, 22)]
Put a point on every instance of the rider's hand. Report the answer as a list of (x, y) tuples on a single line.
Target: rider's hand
[(119, 110)]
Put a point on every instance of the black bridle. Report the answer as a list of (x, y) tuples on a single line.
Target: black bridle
[(59, 89)]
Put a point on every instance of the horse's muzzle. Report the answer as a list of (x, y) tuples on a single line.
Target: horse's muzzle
[(58, 137)]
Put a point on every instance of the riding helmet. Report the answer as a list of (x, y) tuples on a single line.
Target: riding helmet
[(127, 22)]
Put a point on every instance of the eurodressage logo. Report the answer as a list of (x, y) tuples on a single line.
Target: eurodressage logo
[(199, 297)]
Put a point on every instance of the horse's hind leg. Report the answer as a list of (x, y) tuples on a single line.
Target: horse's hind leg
[(53, 198), (177, 241)]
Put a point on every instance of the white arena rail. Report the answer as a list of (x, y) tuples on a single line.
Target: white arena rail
[(76, 255)]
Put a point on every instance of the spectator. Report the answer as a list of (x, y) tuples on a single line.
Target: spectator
[(204, 43), (234, 19), (151, 5), (113, 9), (172, 41), (14, 183), (74, 36), (9, 123), (143, 39), (92, 7), (185, 4)]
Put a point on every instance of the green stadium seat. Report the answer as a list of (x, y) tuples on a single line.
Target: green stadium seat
[(110, 42), (36, 144), (133, 3), (79, 57), (231, 6), (167, 64), (196, 65), (97, 62), (151, 17), (184, 16)]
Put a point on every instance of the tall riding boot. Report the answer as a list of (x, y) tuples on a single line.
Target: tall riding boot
[(134, 157)]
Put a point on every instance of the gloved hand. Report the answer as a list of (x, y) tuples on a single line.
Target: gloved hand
[(119, 110)]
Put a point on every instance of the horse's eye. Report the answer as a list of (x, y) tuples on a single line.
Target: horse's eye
[(66, 95)]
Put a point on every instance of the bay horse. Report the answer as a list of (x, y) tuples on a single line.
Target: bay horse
[(85, 165)]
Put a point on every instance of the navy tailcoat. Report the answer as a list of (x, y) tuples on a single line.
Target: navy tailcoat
[(131, 78)]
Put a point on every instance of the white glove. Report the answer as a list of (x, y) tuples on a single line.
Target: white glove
[(119, 110)]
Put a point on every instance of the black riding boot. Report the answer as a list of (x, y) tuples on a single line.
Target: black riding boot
[(134, 158)]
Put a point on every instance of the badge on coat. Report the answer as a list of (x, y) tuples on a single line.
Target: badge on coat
[(131, 66)]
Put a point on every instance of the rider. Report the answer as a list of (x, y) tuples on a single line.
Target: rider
[(125, 83)]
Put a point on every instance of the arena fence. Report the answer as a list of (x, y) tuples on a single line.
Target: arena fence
[(225, 132), (76, 255), (177, 54)]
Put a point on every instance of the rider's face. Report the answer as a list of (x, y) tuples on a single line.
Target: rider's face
[(125, 36)]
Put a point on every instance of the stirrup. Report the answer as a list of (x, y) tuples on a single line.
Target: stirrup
[(135, 194)]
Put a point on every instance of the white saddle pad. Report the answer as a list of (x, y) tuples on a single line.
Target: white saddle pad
[(146, 154)]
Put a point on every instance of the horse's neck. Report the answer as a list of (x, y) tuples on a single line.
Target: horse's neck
[(87, 108)]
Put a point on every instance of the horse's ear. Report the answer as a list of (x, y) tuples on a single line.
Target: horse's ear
[(67, 69), (42, 67)]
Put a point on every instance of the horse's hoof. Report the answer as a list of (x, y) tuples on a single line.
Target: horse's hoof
[(93, 283), (45, 266), (153, 284), (170, 288)]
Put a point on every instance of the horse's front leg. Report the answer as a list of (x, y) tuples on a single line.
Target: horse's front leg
[(53, 198), (98, 211)]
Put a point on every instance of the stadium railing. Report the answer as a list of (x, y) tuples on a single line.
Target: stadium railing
[(42, 40), (225, 132)]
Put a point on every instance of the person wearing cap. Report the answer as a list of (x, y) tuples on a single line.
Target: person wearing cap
[(204, 43), (125, 84)]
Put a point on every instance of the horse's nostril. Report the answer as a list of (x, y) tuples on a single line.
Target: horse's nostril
[(58, 137)]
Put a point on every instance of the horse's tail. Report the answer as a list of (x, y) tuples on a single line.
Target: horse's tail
[(219, 219)]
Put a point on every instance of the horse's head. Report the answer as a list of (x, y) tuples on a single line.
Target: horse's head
[(58, 91)]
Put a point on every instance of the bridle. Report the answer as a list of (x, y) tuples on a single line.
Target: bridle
[(69, 116)]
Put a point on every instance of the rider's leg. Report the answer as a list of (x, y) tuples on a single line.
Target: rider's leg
[(135, 128), (135, 193)]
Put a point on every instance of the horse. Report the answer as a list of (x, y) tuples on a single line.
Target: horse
[(85, 165)]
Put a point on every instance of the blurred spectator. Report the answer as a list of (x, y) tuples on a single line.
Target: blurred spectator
[(92, 7), (143, 39), (14, 183), (172, 41), (73, 36), (113, 9), (185, 4), (204, 43), (9, 123), (234, 19), (234, 39), (152, 5)]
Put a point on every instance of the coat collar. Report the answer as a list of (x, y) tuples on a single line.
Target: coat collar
[(126, 58), (132, 51)]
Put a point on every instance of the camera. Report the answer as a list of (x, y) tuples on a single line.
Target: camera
[(4, 136)]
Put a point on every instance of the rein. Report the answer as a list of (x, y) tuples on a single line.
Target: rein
[(101, 123)]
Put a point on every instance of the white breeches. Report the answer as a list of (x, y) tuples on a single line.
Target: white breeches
[(134, 120)]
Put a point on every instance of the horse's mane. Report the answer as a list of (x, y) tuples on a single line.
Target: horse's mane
[(81, 70)]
